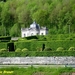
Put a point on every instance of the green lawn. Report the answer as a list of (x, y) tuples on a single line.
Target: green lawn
[(36, 71)]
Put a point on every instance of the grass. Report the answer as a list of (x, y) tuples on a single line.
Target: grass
[(37, 53), (35, 71)]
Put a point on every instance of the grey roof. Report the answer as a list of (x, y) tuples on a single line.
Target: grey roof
[(35, 25)]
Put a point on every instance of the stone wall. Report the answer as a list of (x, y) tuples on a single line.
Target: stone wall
[(38, 60)]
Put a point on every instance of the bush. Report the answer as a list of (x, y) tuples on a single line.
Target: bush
[(42, 38), (5, 38), (37, 53), (24, 50), (60, 49), (72, 49), (3, 50), (32, 45), (23, 44), (39, 49), (18, 50), (3, 45), (47, 49), (53, 31), (22, 39)]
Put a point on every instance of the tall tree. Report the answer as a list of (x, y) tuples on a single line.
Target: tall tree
[(15, 30)]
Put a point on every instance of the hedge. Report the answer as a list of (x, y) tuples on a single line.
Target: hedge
[(22, 45), (60, 37), (50, 37), (31, 37), (36, 53), (5, 38), (37, 45), (3, 45), (34, 45)]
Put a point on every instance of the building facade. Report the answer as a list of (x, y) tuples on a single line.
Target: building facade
[(33, 30)]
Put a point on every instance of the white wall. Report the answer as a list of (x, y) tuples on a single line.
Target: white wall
[(29, 33), (42, 32), (24, 33), (33, 32)]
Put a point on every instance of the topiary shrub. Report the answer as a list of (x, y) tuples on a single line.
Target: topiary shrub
[(71, 49), (24, 50), (3, 50), (42, 38), (39, 49), (60, 49), (22, 39), (47, 49), (18, 50)]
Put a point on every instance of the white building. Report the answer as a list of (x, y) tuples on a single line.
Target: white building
[(34, 29)]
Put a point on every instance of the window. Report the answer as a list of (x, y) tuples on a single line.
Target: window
[(41, 33), (24, 35)]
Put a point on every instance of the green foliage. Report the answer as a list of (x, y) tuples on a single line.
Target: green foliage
[(22, 39), (24, 17), (60, 49), (23, 44), (41, 38), (2, 31), (5, 38), (3, 50), (53, 44), (47, 49), (24, 50), (71, 49), (3, 45), (56, 15), (43, 15), (66, 69), (18, 50), (37, 71), (53, 31), (60, 37), (15, 30), (36, 53)]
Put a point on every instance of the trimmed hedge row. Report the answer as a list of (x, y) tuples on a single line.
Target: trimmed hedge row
[(22, 45), (36, 53), (34, 45), (37, 45), (3, 45), (5, 38), (50, 37), (61, 37)]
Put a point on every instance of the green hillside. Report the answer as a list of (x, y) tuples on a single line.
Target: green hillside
[(57, 15)]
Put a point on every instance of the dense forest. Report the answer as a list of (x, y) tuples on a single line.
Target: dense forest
[(57, 15)]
